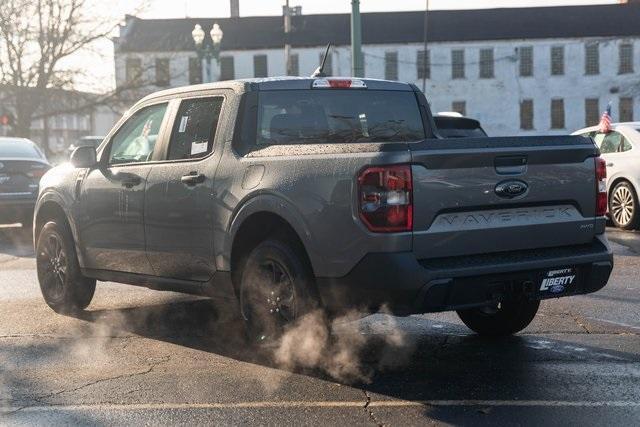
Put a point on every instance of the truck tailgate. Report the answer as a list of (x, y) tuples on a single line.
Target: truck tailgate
[(486, 195)]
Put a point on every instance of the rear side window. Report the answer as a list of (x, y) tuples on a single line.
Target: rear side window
[(338, 116), (195, 128), (18, 148)]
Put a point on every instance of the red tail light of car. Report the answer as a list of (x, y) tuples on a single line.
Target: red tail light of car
[(601, 186), (386, 198)]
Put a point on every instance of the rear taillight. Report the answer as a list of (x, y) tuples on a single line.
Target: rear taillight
[(386, 198), (36, 173), (601, 186)]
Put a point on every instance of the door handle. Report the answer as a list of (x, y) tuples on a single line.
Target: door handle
[(131, 182), (609, 164), (193, 178)]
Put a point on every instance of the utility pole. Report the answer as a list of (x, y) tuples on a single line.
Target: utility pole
[(424, 57), (287, 42), (356, 40)]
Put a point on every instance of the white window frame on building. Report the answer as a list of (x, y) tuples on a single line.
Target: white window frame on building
[(592, 59), (526, 114), (487, 64), (227, 68), (163, 72), (457, 64), (591, 111), (557, 60), (525, 61), (133, 70), (625, 58), (391, 65), (423, 63), (557, 113), (195, 70), (258, 64), (295, 64), (459, 107), (625, 109), (328, 65)]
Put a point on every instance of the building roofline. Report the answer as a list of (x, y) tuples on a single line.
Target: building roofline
[(400, 27)]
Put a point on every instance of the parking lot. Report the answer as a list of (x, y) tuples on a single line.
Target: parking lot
[(145, 357)]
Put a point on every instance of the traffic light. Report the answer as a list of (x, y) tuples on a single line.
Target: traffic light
[(6, 119)]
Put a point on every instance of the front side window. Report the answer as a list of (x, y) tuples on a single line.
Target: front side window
[(338, 116), (136, 139), (194, 128)]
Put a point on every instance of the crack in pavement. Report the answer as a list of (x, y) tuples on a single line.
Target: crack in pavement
[(578, 322), (369, 412), (41, 400)]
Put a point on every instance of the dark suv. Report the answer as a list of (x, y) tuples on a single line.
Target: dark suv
[(299, 193)]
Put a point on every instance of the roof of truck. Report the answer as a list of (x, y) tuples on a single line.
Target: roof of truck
[(273, 83)]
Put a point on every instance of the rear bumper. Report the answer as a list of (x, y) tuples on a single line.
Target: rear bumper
[(16, 210), (405, 285)]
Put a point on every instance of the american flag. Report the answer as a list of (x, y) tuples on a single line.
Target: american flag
[(605, 120)]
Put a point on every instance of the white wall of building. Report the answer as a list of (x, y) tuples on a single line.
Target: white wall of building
[(495, 102)]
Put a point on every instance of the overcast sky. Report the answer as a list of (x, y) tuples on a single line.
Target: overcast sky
[(220, 8)]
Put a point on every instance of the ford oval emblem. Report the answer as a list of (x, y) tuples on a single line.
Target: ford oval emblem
[(511, 189)]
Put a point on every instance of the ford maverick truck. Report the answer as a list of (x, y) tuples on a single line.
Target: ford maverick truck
[(295, 194)]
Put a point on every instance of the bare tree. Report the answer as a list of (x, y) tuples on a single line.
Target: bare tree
[(36, 36)]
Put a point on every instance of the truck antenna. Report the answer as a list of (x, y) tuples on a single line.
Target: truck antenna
[(319, 72)]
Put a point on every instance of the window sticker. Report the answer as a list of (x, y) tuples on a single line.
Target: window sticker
[(183, 124), (199, 147)]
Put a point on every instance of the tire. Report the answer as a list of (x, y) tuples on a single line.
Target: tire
[(623, 206), (507, 318), (63, 287), (276, 289)]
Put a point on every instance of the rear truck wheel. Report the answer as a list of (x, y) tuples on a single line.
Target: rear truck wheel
[(623, 206), (276, 289), (504, 318), (63, 287)]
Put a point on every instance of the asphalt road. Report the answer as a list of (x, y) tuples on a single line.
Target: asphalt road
[(142, 357)]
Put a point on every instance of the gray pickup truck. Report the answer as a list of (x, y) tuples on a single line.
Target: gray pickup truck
[(294, 194)]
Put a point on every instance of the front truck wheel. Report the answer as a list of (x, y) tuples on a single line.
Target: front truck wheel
[(63, 286), (505, 318), (276, 289)]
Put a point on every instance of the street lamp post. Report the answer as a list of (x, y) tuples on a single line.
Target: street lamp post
[(207, 51)]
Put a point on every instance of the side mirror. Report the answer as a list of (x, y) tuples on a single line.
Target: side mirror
[(84, 157)]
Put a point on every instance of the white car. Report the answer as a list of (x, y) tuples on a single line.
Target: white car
[(621, 150)]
